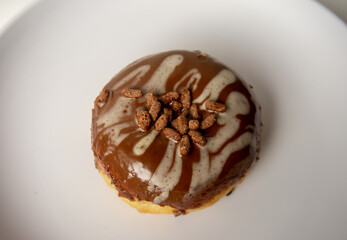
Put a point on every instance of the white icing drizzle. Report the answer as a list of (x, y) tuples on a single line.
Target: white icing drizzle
[(142, 145), (109, 149), (114, 132), (165, 178), (200, 170), (138, 72), (140, 171), (236, 103), (160, 76), (215, 86), (203, 173), (113, 116), (194, 76), (219, 160)]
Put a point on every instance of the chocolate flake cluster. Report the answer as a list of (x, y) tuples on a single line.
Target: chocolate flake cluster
[(174, 114)]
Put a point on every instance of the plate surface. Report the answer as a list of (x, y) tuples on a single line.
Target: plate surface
[(58, 56)]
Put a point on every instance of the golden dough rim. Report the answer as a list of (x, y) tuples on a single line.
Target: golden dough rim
[(152, 208)]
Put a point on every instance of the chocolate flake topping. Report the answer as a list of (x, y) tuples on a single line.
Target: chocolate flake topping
[(185, 98), (151, 98), (186, 123), (195, 111), (102, 98), (131, 93), (208, 121), (184, 145), (197, 137), (154, 110), (193, 124), (214, 106), (169, 97), (170, 133), (161, 123), (143, 119)]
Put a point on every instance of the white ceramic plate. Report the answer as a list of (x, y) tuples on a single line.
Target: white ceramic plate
[(56, 59)]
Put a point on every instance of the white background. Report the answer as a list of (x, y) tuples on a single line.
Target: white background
[(12, 9)]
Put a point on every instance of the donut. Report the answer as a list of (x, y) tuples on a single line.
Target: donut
[(175, 131)]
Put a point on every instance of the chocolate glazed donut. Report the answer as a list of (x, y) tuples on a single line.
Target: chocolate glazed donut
[(147, 166)]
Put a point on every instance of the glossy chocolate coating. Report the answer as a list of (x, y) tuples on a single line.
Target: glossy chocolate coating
[(132, 172)]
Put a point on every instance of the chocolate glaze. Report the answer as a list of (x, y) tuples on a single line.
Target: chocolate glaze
[(118, 161)]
